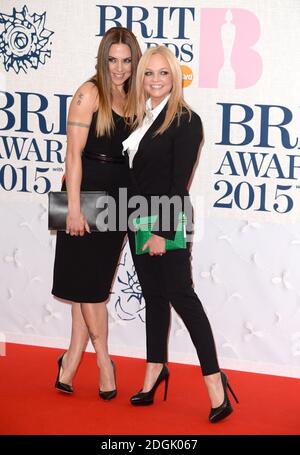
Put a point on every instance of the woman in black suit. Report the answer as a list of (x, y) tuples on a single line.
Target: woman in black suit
[(162, 152)]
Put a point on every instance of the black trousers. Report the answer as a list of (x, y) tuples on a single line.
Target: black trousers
[(167, 280)]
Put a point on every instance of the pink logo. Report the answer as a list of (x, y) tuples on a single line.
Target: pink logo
[(226, 55)]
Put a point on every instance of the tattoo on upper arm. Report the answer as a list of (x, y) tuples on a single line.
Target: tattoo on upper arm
[(83, 125), (80, 96)]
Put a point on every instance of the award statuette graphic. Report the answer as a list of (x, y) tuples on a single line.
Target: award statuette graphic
[(227, 75)]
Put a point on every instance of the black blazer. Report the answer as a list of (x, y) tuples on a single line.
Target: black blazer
[(163, 164)]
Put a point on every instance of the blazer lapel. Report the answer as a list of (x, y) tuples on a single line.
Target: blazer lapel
[(148, 136)]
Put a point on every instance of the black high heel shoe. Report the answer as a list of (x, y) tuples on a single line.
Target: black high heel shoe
[(110, 394), (146, 398), (60, 385), (222, 411)]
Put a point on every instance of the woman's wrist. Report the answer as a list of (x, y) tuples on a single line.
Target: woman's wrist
[(74, 211)]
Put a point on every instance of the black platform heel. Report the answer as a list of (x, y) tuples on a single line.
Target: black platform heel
[(146, 398), (60, 385), (110, 394), (219, 413)]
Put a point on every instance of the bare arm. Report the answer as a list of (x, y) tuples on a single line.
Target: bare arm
[(80, 114)]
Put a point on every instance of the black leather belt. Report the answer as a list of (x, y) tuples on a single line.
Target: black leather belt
[(104, 158)]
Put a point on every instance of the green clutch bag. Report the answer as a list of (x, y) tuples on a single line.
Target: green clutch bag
[(144, 225)]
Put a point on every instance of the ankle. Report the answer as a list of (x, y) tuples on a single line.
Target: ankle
[(71, 361), (213, 380), (215, 389), (104, 362), (154, 367), (153, 371)]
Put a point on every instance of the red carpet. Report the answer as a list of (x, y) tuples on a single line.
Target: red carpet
[(30, 404)]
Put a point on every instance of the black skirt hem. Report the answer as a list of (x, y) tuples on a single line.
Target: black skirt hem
[(78, 300)]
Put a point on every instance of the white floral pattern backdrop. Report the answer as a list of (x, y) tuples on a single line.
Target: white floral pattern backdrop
[(240, 60)]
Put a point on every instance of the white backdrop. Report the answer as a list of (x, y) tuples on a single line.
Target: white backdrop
[(241, 65)]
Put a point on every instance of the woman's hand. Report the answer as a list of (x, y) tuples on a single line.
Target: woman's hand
[(77, 224), (156, 245)]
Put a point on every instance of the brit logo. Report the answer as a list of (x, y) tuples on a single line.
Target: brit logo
[(24, 41)]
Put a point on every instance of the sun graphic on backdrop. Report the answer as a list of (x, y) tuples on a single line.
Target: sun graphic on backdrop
[(24, 40)]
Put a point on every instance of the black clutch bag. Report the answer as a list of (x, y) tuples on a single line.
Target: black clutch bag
[(92, 204)]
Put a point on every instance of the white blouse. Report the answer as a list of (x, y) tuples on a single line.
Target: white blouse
[(131, 144)]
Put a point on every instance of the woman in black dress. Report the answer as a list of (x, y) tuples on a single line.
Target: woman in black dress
[(99, 119), (162, 153)]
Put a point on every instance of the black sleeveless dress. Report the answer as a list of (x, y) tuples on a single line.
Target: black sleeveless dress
[(84, 267)]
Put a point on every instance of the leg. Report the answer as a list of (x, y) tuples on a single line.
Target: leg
[(78, 343), (193, 315), (187, 304), (157, 332), (96, 319), (157, 313), (91, 284)]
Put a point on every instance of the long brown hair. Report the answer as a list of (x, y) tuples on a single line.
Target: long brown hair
[(176, 103), (115, 35)]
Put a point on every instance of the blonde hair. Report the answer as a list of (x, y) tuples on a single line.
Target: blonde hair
[(105, 122), (176, 103)]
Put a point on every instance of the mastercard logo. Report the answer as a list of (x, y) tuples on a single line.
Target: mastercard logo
[(187, 76)]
